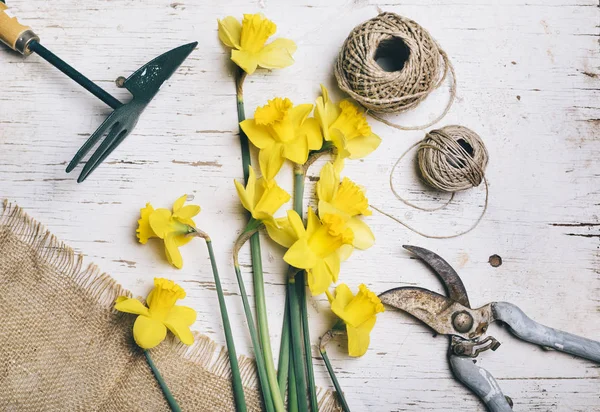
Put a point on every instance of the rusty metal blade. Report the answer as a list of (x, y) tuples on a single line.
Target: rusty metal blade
[(454, 286), (429, 307)]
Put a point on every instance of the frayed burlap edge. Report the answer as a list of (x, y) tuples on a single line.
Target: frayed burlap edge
[(204, 352)]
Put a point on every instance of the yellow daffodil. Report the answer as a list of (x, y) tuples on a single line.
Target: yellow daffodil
[(261, 197), (282, 131), (346, 200), (358, 313), (346, 126), (248, 43), (172, 227), (319, 249), (150, 327)]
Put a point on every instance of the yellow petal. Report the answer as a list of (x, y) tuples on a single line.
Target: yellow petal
[(185, 314), (359, 337), (327, 184), (319, 278), (300, 255), (179, 203), (343, 296), (281, 232), (244, 196), (338, 164), (179, 320), (363, 236), (144, 231), (296, 150), (271, 200), (311, 128), (172, 251), (339, 141), (258, 134), (326, 112), (344, 252), (299, 114), (362, 146), (148, 332), (271, 160), (247, 61), (230, 32), (296, 224), (277, 55), (182, 240), (313, 222), (160, 222), (333, 262), (129, 305), (187, 212)]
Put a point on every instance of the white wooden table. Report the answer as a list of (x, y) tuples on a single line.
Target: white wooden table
[(528, 81)]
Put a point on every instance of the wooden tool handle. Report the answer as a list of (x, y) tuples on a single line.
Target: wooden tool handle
[(14, 34)]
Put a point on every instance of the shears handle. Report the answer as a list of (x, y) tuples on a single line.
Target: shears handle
[(530, 331), (14, 34), (480, 382)]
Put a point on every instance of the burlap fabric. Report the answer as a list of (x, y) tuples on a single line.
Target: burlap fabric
[(63, 347)]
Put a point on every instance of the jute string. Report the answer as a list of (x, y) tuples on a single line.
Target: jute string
[(380, 91), (64, 348), (451, 159)]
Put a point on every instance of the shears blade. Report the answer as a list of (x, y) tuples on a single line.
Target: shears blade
[(452, 282)]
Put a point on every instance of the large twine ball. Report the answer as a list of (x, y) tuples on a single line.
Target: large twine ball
[(452, 158), (358, 73)]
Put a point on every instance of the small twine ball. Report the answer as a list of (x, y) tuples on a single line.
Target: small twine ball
[(452, 158), (415, 76)]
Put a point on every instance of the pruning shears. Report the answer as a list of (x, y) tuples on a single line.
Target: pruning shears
[(452, 315)]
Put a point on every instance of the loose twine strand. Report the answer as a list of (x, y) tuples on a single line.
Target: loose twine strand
[(380, 91), (446, 165)]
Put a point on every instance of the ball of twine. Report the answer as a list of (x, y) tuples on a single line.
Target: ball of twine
[(452, 158), (358, 73)]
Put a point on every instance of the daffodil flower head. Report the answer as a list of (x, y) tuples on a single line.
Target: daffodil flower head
[(346, 200), (150, 327), (248, 41), (282, 131), (346, 126), (359, 313), (261, 197), (173, 227), (319, 248)]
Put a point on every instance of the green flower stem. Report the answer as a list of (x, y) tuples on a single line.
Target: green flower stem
[(336, 384), (293, 398), (283, 366), (259, 287), (238, 389), (299, 177), (297, 355), (239, 88), (163, 385), (260, 361), (263, 325), (312, 391)]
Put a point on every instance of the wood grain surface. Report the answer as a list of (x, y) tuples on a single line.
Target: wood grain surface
[(528, 76)]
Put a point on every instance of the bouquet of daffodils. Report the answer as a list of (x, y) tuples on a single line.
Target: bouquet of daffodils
[(317, 242)]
